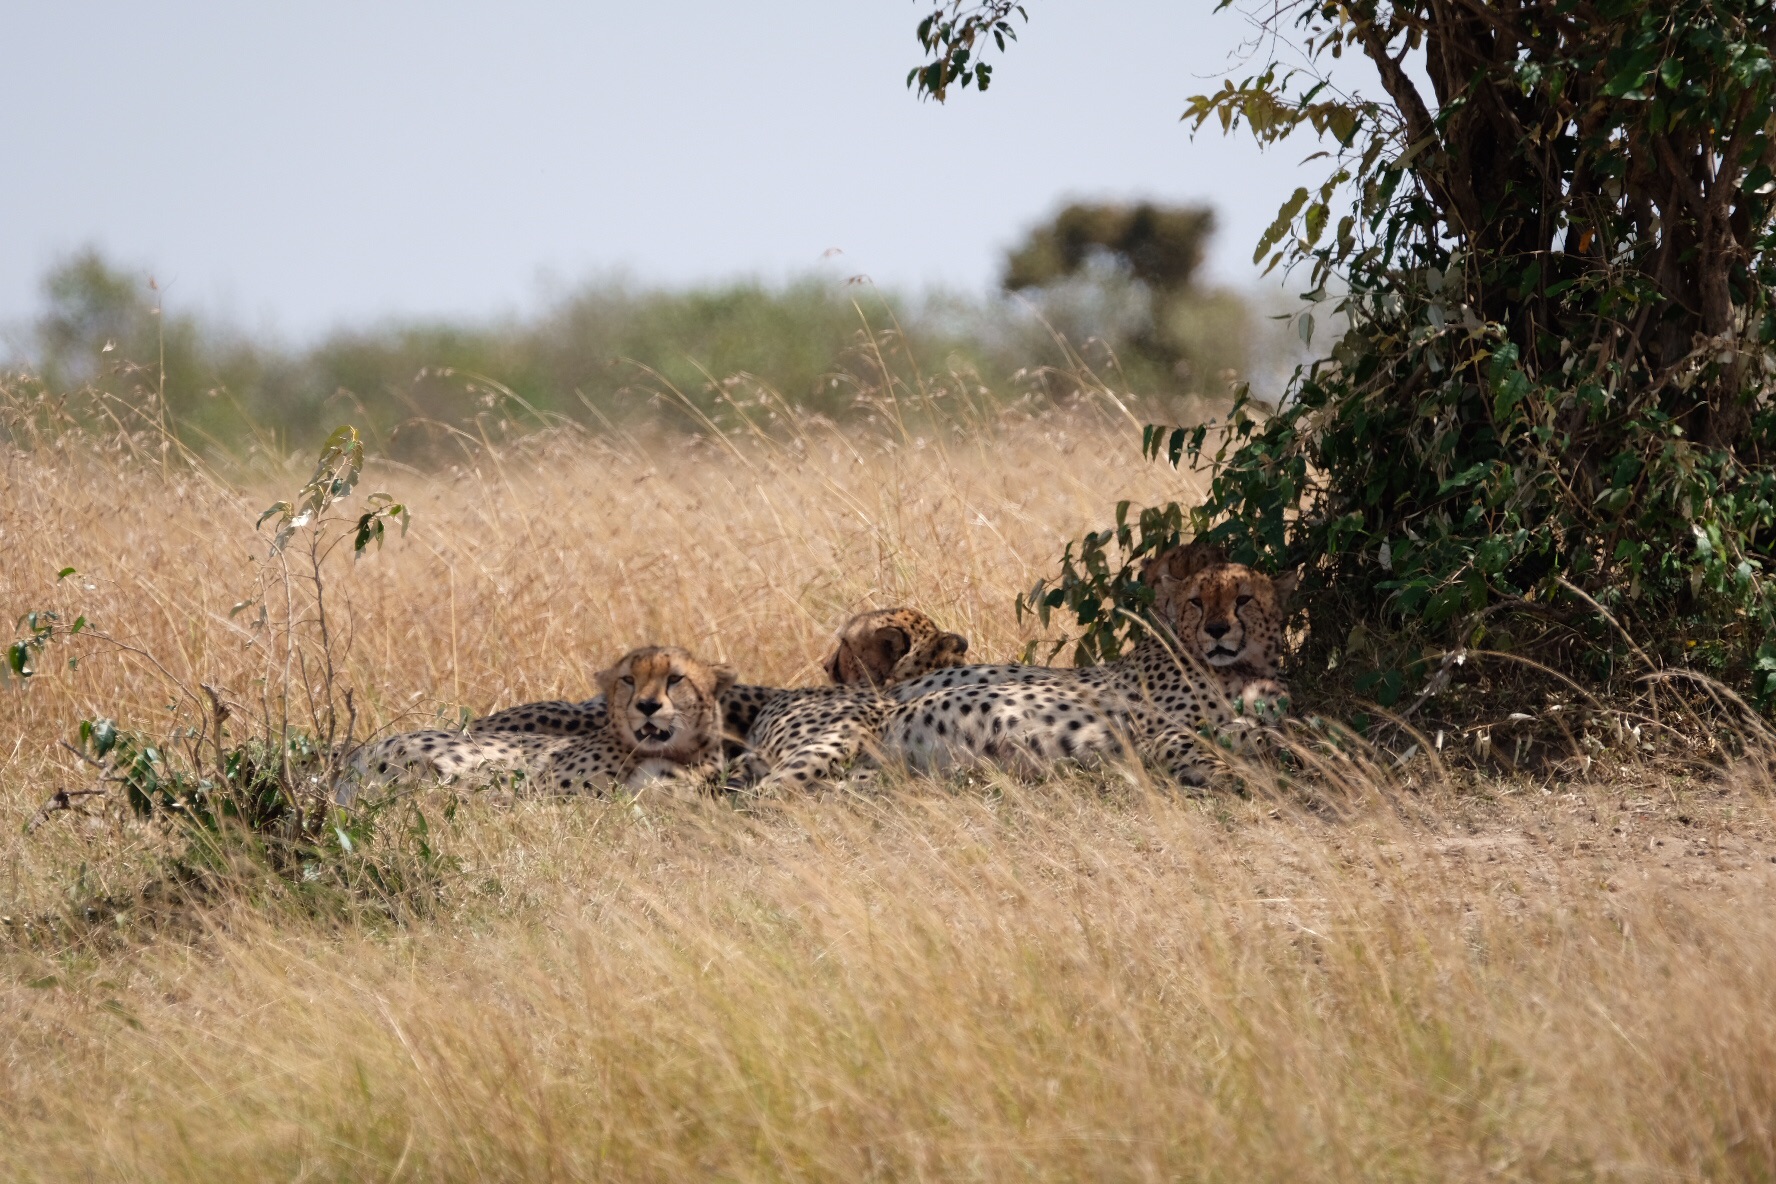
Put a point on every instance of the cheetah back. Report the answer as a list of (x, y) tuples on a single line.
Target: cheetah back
[(808, 734)]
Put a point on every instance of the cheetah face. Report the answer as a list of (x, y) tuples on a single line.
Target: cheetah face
[(891, 645), (663, 702), (943, 651), (1231, 614)]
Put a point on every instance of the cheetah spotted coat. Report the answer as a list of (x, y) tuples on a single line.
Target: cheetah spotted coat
[(792, 737), (666, 726), (1209, 667)]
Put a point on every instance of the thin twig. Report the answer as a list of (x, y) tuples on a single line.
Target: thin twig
[(62, 799), (1440, 679), (99, 765), (1608, 616)]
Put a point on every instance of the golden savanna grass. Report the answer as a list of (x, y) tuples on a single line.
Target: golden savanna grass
[(1399, 977)]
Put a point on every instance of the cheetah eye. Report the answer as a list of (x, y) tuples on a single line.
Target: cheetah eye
[(627, 681), (1242, 601), (1196, 602), (673, 680)]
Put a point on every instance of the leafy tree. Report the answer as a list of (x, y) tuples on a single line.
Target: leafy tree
[(1159, 248), (92, 306), (1551, 401), (106, 329)]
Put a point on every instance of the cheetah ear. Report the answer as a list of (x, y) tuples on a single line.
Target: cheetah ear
[(834, 664), (1286, 584), (1181, 562), (894, 643), (1153, 569), (954, 642), (606, 679), (725, 677)]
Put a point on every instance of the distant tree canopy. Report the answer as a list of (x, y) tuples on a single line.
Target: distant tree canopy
[(1161, 246), (1554, 393), (1155, 248), (91, 306)]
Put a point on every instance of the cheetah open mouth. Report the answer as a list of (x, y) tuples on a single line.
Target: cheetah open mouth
[(652, 733)]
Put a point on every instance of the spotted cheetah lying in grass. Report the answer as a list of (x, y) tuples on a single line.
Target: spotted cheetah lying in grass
[(783, 737), (1208, 665), (873, 649), (799, 736), (659, 718)]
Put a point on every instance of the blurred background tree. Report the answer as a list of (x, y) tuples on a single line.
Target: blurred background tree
[(1126, 273), (613, 354)]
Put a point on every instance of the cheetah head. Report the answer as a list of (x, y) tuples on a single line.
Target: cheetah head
[(1231, 613), (664, 702), (891, 645)]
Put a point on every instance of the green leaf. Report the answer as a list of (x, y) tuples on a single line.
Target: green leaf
[(1284, 219), (1314, 222), (369, 529), (102, 734)]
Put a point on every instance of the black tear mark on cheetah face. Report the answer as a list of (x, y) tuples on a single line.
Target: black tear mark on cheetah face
[(1232, 615)]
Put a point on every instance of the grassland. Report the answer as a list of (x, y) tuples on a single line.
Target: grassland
[(1402, 974)]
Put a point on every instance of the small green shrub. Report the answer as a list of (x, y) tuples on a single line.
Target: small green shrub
[(250, 797)]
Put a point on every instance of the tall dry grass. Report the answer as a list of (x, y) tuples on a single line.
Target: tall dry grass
[(986, 981)]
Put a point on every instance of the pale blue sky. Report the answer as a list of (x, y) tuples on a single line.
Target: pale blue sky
[(294, 167)]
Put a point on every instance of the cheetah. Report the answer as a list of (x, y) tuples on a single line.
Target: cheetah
[(891, 645), (873, 649), (1209, 660), (803, 735), (786, 737), (660, 719)]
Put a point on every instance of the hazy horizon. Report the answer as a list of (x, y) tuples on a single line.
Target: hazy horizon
[(292, 173)]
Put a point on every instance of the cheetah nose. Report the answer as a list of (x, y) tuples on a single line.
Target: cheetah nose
[(1217, 629), (647, 706)]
